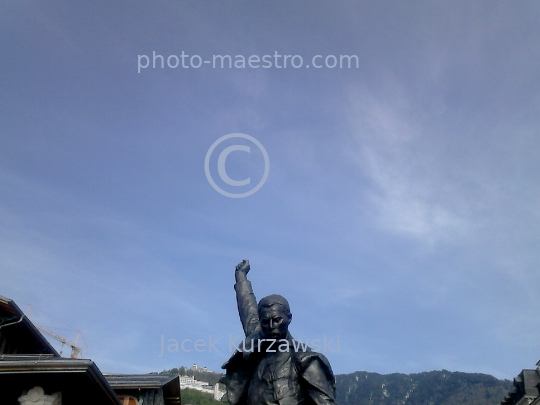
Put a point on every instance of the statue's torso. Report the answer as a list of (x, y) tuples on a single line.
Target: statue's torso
[(275, 381)]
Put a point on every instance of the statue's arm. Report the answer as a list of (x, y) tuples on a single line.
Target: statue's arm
[(322, 397), (245, 299), (318, 378)]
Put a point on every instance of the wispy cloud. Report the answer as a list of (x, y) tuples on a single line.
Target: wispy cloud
[(408, 193)]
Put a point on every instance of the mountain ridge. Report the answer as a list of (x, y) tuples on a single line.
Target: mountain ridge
[(426, 388), (437, 387)]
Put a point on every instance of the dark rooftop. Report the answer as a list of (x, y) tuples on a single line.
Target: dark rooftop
[(170, 383), (18, 334), (72, 377)]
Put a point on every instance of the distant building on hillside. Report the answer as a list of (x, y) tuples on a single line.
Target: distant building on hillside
[(195, 367), (203, 386), (525, 389)]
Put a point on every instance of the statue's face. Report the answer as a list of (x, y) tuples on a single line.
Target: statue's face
[(274, 322)]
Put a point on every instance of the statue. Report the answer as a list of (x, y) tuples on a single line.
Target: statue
[(36, 396), (270, 367)]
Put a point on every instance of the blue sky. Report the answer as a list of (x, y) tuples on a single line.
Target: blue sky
[(401, 211)]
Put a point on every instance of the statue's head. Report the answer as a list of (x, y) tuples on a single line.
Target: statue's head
[(275, 316)]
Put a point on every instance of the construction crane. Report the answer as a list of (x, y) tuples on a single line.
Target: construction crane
[(75, 350)]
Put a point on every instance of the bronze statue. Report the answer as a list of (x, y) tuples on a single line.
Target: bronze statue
[(270, 367)]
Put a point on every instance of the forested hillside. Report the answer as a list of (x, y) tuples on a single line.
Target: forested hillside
[(428, 388), (194, 397)]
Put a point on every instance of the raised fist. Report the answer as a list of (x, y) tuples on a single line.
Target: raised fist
[(243, 267)]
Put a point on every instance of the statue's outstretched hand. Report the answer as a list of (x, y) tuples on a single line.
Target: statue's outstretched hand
[(243, 267)]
